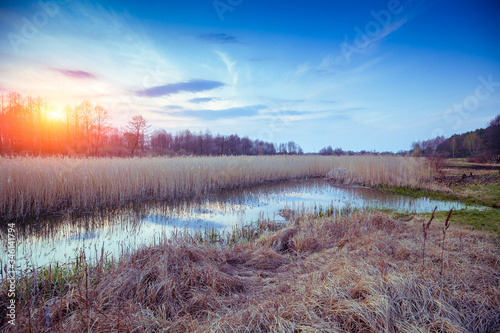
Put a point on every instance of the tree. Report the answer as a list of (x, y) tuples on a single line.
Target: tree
[(492, 138), (85, 111), (416, 148), (327, 151), (338, 152), (246, 146), (453, 146), (137, 129), (291, 147), (68, 111), (161, 140), (101, 126), (471, 142)]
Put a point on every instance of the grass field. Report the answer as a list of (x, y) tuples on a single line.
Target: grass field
[(34, 186), (362, 273)]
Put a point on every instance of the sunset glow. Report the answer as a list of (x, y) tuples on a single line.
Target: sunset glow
[(56, 115), (351, 75)]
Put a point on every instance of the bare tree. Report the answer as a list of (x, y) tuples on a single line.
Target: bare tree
[(101, 126), (138, 127), (85, 110), (68, 111)]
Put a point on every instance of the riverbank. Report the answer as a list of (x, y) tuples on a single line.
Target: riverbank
[(364, 272), (471, 183)]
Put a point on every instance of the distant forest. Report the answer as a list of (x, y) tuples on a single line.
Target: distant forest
[(30, 126), (481, 145)]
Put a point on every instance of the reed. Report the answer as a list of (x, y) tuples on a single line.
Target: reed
[(358, 273), (34, 186), (425, 231), (445, 228)]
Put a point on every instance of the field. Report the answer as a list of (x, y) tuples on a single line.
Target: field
[(34, 186), (369, 272), (366, 271)]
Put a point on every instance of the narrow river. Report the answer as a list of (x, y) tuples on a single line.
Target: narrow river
[(59, 239)]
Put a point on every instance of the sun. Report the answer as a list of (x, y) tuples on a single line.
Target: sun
[(55, 115)]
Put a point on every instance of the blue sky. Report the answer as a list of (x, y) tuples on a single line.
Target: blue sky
[(373, 75)]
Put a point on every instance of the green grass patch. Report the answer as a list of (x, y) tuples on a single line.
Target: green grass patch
[(456, 162), (486, 194), (487, 220), (419, 192)]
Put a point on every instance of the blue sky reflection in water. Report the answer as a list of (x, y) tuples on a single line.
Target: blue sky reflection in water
[(126, 229)]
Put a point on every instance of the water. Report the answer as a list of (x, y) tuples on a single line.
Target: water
[(60, 239)]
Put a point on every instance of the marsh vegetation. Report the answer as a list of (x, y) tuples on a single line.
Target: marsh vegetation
[(363, 272), (317, 269), (34, 186)]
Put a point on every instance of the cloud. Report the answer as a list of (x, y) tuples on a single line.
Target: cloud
[(230, 65), (76, 74), (302, 69), (219, 38), (175, 88), (351, 49), (173, 107), (231, 113), (203, 99)]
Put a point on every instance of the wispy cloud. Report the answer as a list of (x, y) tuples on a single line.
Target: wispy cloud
[(230, 113), (175, 88), (219, 38), (76, 74), (203, 99), (173, 107), (348, 50), (230, 64)]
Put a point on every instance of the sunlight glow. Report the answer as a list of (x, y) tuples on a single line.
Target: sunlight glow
[(55, 115)]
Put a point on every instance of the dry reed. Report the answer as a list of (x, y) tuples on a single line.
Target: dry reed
[(33, 186), (425, 229), (347, 274), (445, 228)]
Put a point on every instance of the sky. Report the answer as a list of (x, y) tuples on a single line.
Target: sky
[(360, 75)]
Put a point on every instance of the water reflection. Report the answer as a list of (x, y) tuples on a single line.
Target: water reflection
[(119, 230)]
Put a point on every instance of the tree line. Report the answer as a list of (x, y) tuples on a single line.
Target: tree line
[(30, 126), (327, 151), (481, 145)]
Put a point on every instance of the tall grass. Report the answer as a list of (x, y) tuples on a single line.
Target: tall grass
[(33, 186), (358, 273)]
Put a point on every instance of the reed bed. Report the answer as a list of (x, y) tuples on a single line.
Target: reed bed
[(34, 186), (358, 273)]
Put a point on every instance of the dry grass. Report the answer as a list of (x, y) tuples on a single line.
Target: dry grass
[(361, 273), (33, 186)]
